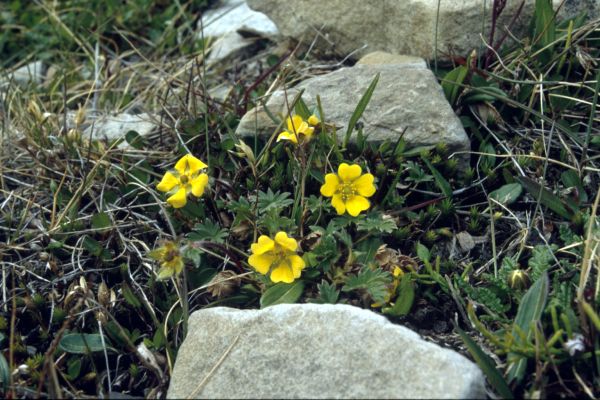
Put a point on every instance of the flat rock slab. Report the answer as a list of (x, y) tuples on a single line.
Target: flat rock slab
[(401, 26), (406, 99), (314, 351)]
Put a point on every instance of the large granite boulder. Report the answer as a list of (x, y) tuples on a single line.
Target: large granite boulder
[(401, 26), (406, 99), (314, 351)]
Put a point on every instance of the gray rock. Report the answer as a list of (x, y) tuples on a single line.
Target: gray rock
[(112, 127), (235, 15), (30, 73), (407, 99), (314, 351), (400, 26)]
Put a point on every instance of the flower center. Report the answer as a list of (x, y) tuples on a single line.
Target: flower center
[(346, 190), (184, 179)]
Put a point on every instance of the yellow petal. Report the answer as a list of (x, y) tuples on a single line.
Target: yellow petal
[(158, 254), (288, 136), (338, 204), (348, 173), (164, 273), (176, 265), (179, 199), (189, 164), (168, 182), (356, 204), (263, 245), (282, 273), (330, 185), (286, 242), (307, 131), (198, 184), (364, 185), (294, 123), (261, 262), (297, 264), (313, 120)]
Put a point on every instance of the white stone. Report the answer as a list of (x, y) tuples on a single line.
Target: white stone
[(314, 351), (235, 15), (112, 127), (30, 73), (227, 45)]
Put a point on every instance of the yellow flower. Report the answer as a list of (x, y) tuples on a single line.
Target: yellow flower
[(278, 256), (169, 257), (184, 179), (297, 130), (313, 120), (349, 189)]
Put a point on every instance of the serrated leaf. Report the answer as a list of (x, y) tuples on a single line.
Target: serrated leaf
[(328, 294), (282, 293), (376, 221), (373, 281), (83, 343), (507, 194), (360, 108), (269, 201), (208, 230)]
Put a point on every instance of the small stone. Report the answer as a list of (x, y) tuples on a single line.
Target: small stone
[(233, 16), (314, 351), (228, 45), (30, 73)]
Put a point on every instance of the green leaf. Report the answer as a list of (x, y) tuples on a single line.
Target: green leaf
[(423, 252), (74, 367), (129, 296), (487, 365), (270, 201), (4, 373), (452, 83), (507, 194), (545, 28), (529, 313), (373, 281), (328, 294), (546, 197), (93, 246), (208, 230), (134, 139), (439, 178), (405, 298), (571, 180), (101, 221), (360, 108), (281, 293), (366, 250), (376, 222), (83, 343), (302, 109)]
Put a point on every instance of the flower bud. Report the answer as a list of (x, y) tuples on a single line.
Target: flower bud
[(313, 120), (518, 279)]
